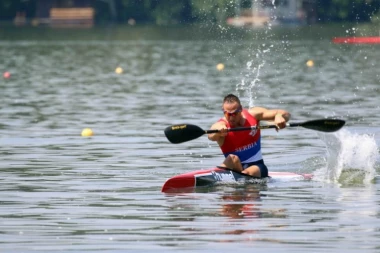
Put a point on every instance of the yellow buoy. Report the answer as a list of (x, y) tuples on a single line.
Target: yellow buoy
[(220, 66), (310, 63), (118, 70), (87, 132)]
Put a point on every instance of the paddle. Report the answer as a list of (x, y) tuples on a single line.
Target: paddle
[(187, 132)]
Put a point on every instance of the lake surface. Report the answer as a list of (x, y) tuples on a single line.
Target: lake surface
[(63, 192)]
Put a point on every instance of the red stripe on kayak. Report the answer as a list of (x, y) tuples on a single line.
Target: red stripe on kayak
[(180, 181)]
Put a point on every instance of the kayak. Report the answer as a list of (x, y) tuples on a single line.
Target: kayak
[(221, 175), (357, 40)]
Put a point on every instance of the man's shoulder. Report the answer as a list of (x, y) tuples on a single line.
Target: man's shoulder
[(256, 110)]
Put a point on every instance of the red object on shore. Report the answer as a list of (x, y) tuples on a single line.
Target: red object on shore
[(357, 40), (6, 75)]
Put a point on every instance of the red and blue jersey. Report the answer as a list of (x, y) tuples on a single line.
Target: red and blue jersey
[(244, 144)]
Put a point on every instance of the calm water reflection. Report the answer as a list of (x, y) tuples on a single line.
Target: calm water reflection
[(63, 192)]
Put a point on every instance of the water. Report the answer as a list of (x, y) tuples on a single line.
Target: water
[(63, 192)]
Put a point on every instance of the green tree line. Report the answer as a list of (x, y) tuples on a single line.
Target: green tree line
[(164, 12)]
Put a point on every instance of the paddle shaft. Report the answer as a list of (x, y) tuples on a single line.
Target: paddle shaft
[(240, 129), (252, 128), (186, 132)]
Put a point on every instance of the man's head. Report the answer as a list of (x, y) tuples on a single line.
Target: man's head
[(232, 109)]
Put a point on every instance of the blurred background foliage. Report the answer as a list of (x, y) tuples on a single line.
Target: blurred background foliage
[(165, 12)]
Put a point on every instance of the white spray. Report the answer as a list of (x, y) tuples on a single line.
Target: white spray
[(253, 67), (353, 154)]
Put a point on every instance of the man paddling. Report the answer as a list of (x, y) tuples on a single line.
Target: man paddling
[(242, 149)]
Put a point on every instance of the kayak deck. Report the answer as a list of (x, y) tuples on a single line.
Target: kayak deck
[(218, 175)]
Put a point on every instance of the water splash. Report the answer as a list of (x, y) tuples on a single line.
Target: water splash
[(351, 158), (250, 85), (251, 88)]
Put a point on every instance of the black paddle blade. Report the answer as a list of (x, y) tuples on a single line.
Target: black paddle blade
[(184, 132), (324, 125)]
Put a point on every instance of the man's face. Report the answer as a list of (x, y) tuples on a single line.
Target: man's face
[(232, 113)]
